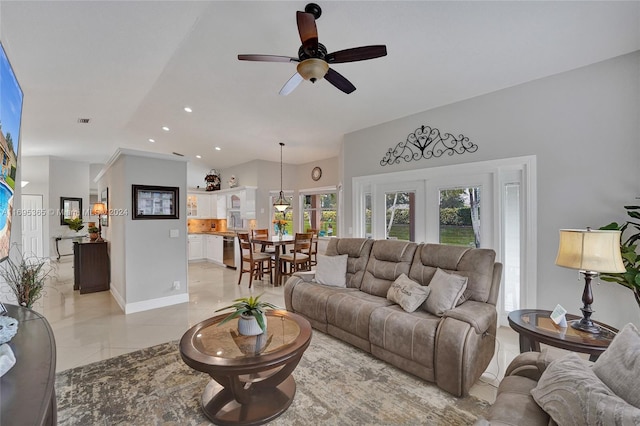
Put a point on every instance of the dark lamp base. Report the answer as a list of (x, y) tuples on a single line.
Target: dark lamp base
[(587, 326)]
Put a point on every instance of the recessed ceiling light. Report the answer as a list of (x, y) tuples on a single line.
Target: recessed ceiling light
[(217, 148), (198, 156), (152, 140), (188, 109), (165, 128)]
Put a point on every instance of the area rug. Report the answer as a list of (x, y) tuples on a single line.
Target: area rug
[(337, 384)]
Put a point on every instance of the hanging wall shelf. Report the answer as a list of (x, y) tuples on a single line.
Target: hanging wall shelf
[(427, 142)]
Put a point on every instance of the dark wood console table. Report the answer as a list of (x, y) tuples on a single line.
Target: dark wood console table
[(91, 270), (28, 394)]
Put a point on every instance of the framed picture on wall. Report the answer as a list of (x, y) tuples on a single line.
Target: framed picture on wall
[(104, 198), (155, 202)]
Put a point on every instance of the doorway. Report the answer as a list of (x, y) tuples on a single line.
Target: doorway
[(32, 220)]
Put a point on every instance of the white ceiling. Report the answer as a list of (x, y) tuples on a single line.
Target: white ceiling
[(131, 67)]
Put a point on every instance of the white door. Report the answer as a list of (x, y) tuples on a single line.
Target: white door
[(32, 214)]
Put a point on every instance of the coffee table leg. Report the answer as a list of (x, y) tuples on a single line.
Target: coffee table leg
[(263, 404)]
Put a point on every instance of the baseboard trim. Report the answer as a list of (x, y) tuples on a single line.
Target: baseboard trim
[(160, 302)]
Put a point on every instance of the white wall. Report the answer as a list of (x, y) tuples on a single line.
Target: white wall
[(145, 260), (582, 125)]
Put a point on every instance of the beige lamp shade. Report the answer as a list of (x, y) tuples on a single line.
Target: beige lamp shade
[(99, 209), (590, 250)]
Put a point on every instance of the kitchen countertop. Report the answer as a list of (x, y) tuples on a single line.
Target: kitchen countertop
[(223, 233)]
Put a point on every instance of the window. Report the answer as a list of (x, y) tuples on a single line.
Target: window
[(400, 215), (320, 211), (460, 216), (368, 225)]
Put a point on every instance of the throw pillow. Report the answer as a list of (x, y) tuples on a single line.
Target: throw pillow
[(446, 289), (571, 393), (619, 366), (407, 293), (332, 270)]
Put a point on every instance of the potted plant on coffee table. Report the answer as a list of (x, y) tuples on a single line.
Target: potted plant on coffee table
[(250, 312)]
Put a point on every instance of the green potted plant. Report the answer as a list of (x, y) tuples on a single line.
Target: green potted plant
[(26, 276), (93, 232), (250, 312), (74, 224), (628, 250)]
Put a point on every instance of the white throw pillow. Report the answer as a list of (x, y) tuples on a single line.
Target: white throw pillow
[(332, 270), (407, 293), (446, 289)]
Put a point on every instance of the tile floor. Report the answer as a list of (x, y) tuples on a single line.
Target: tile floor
[(91, 327)]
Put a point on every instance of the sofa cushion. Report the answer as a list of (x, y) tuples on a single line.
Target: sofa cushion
[(410, 335), (351, 311), (446, 289), (310, 299), (387, 261), (571, 393), (358, 250), (407, 293), (619, 366), (475, 264), (332, 270)]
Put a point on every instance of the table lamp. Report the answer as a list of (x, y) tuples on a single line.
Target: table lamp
[(99, 209), (590, 252)]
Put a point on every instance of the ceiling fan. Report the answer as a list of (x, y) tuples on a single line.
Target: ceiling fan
[(313, 57)]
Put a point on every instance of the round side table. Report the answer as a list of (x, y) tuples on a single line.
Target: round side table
[(535, 326)]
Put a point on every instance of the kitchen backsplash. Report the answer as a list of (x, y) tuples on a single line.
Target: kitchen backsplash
[(206, 225)]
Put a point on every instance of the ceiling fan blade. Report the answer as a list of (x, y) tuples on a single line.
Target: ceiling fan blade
[(338, 80), (267, 58), (290, 85), (357, 54), (308, 32)]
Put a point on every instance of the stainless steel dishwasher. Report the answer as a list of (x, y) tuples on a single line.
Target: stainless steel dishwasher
[(229, 251)]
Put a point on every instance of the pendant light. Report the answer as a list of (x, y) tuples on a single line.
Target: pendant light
[(281, 203)]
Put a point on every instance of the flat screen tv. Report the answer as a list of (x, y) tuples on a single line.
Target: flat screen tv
[(10, 118)]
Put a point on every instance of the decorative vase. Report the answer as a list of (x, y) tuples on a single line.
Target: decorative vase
[(251, 345), (93, 236), (248, 325)]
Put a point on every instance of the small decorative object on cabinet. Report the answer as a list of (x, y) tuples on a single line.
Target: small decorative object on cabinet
[(233, 182), (93, 233), (251, 313), (213, 180)]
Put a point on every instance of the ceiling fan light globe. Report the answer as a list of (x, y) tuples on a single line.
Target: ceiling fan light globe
[(313, 69)]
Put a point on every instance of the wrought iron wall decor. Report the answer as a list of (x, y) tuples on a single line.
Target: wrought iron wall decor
[(427, 142)]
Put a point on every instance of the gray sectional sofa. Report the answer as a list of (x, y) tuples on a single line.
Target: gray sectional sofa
[(452, 350)]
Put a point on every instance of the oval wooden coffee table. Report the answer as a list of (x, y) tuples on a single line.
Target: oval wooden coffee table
[(252, 382)]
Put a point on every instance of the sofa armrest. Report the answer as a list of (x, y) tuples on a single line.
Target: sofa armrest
[(479, 315), (306, 276)]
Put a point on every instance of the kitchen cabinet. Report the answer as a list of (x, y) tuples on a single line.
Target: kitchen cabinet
[(199, 206), (218, 205), (213, 248), (196, 247), (243, 201)]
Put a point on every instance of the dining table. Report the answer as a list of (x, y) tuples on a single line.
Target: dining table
[(280, 243)]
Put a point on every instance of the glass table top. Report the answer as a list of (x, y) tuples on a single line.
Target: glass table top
[(540, 321), (225, 342)]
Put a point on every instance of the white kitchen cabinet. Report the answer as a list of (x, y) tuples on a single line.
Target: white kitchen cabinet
[(196, 247), (213, 248), (199, 206), (218, 206)]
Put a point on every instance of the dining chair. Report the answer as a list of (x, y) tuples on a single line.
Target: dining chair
[(314, 246), (299, 259), (255, 260)]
